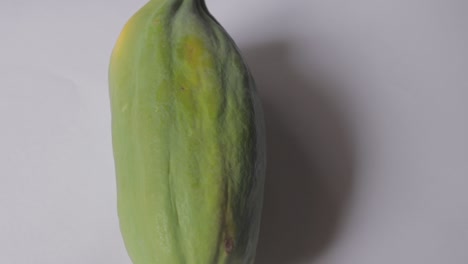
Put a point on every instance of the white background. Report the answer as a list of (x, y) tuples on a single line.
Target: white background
[(366, 104)]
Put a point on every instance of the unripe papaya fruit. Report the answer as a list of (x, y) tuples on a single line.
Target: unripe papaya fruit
[(188, 139)]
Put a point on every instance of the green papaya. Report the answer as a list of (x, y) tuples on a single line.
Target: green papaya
[(188, 139)]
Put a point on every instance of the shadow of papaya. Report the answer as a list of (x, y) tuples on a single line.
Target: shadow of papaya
[(310, 159)]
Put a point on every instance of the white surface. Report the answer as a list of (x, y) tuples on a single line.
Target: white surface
[(366, 106)]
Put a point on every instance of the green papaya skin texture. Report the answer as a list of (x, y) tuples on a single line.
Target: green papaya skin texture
[(188, 138)]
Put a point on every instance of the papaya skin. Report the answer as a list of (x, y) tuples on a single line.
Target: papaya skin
[(188, 139)]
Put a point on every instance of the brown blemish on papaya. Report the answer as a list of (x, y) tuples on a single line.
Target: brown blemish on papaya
[(228, 245), (156, 21)]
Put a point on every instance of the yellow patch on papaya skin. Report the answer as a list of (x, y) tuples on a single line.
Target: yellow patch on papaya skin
[(195, 60), (194, 51), (122, 39)]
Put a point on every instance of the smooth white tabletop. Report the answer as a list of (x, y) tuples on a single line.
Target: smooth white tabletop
[(366, 104)]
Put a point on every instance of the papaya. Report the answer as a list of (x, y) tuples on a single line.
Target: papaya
[(188, 139)]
